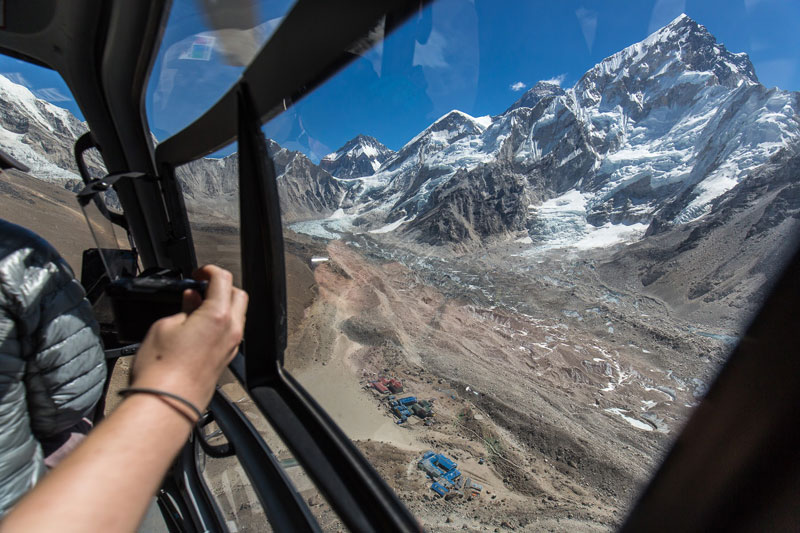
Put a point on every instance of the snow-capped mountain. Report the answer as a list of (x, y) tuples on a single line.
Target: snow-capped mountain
[(535, 94), (40, 134), (651, 138), (360, 156), (402, 186), (658, 130)]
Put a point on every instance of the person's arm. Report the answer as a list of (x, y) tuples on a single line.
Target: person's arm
[(107, 483)]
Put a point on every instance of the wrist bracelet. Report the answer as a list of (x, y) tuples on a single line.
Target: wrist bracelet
[(155, 392)]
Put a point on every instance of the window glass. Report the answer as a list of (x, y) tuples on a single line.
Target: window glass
[(525, 239), (548, 224), (318, 506), (39, 124), (230, 487), (205, 47), (210, 192), (210, 189)]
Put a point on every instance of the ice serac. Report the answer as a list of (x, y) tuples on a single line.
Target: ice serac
[(361, 156)]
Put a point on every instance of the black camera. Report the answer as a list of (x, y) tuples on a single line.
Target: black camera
[(108, 272), (138, 302)]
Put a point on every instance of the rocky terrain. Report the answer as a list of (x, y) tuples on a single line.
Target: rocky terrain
[(306, 191)]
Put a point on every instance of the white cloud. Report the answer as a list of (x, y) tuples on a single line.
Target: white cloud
[(664, 12), (51, 94), (749, 5), (517, 86), (17, 78), (430, 54), (557, 80), (588, 21)]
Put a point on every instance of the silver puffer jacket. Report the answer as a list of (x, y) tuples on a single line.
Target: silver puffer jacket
[(52, 366)]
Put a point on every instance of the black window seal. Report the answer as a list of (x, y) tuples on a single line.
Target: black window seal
[(284, 507), (358, 494)]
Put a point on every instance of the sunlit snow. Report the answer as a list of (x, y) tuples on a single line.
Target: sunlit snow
[(611, 234), (391, 227), (638, 424)]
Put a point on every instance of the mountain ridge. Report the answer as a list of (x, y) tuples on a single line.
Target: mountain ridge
[(360, 156), (641, 130), (645, 141)]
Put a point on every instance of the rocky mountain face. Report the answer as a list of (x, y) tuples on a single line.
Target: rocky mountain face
[(306, 191), (487, 200), (41, 135), (361, 156), (652, 138), (647, 140)]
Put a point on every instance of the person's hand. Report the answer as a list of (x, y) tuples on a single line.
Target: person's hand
[(120, 465), (186, 353)]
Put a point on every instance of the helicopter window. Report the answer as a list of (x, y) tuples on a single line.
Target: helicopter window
[(40, 123), (229, 485), (210, 193), (215, 232), (505, 228), (205, 47), (318, 506), (530, 273), (547, 225)]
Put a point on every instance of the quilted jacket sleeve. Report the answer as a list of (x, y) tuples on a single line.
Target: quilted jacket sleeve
[(65, 365)]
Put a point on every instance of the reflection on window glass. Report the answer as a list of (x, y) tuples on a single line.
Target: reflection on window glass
[(210, 192), (317, 505), (230, 487), (526, 239), (205, 47)]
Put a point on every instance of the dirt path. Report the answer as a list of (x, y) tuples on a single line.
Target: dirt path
[(355, 410)]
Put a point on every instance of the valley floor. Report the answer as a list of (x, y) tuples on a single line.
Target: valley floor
[(556, 390)]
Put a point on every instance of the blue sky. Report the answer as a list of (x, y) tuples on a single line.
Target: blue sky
[(477, 56)]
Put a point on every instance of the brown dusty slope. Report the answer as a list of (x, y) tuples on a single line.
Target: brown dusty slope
[(47, 209), (571, 422)]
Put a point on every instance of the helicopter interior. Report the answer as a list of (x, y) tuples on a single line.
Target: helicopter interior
[(735, 465)]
